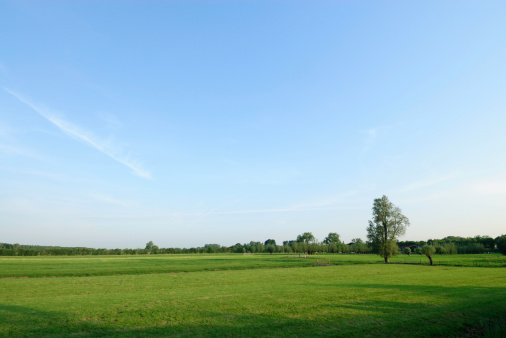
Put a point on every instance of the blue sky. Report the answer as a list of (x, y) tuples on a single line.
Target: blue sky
[(188, 122)]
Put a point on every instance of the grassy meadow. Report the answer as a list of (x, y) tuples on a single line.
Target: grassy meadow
[(249, 295), (50, 266)]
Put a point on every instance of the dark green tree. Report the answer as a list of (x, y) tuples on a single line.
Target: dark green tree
[(149, 245), (429, 251), (358, 245), (270, 248), (332, 238), (501, 244), (387, 225), (307, 241)]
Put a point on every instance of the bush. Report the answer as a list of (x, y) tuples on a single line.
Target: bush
[(501, 244), (440, 250)]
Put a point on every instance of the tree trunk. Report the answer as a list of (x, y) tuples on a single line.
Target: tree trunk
[(430, 259), (387, 260)]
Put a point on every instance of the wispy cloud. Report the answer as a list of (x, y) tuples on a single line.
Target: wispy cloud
[(322, 204), (83, 136), (278, 210), (426, 183), (427, 198), (8, 144), (110, 200), (12, 150)]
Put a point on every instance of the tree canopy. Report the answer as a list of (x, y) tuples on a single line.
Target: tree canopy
[(387, 225), (429, 251), (306, 237), (501, 244), (332, 238)]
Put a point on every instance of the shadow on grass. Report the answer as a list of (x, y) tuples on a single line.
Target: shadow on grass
[(467, 311)]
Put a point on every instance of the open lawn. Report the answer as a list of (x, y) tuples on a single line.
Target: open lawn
[(340, 300), (48, 266)]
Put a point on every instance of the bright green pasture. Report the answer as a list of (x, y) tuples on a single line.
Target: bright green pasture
[(477, 260), (115, 265), (346, 300)]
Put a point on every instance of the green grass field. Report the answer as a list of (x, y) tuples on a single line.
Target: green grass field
[(236, 295), (48, 266)]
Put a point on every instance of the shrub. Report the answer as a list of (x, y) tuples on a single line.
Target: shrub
[(501, 244)]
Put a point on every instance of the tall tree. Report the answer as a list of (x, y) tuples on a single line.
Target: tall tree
[(307, 241), (332, 238), (149, 245), (306, 237), (387, 225)]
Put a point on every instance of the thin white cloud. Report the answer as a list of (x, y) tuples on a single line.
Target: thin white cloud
[(12, 150), (425, 183), (109, 199), (426, 198), (289, 209), (83, 136)]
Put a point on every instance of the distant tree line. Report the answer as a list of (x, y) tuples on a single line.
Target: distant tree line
[(456, 245), (305, 243)]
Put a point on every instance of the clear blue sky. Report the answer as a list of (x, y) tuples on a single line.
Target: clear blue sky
[(188, 122)]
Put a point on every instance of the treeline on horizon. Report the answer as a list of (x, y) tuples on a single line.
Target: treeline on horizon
[(305, 243)]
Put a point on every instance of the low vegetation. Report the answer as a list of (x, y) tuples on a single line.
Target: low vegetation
[(260, 299)]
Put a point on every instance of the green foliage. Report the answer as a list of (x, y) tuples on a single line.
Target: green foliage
[(501, 244), (332, 238), (358, 246), (387, 225), (428, 250), (332, 248), (407, 251), (308, 243), (440, 250), (306, 238), (450, 248), (270, 248), (149, 245), (270, 242), (471, 248)]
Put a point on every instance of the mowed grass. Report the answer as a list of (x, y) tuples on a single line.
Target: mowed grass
[(117, 265), (340, 300), (130, 265)]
